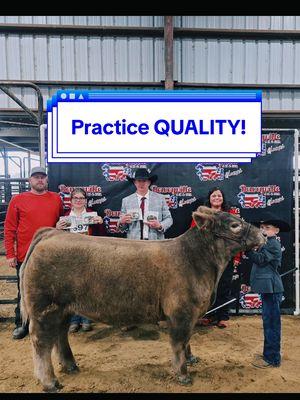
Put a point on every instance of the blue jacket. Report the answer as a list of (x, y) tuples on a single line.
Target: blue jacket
[(264, 276)]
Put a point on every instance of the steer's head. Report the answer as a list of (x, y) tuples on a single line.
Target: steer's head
[(237, 234)]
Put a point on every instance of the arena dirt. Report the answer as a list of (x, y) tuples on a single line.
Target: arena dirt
[(140, 360)]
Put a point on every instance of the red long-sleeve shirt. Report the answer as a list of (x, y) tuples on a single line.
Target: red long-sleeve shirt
[(27, 212)]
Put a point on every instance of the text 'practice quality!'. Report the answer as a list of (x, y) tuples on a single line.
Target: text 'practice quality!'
[(161, 127)]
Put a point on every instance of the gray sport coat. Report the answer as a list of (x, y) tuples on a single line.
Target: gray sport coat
[(157, 202)]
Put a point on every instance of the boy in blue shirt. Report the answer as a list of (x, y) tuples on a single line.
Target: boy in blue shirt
[(265, 279)]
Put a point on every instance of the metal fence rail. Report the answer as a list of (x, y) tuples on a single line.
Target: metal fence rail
[(8, 188), (8, 279)]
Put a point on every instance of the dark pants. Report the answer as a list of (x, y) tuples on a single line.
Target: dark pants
[(224, 294), (18, 320), (272, 327)]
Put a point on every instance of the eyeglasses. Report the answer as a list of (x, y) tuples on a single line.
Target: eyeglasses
[(78, 198)]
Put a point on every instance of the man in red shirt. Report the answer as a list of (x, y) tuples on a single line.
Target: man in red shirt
[(27, 212)]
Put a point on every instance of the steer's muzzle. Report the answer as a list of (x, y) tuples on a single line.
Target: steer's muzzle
[(256, 238), (253, 237)]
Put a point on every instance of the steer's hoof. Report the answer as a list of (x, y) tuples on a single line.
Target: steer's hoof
[(192, 360), (185, 380), (58, 385), (73, 369), (53, 388)]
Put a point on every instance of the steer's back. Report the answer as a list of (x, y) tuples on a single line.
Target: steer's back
[(110, 279)]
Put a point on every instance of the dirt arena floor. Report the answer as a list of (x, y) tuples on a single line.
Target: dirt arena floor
[(140, 360)]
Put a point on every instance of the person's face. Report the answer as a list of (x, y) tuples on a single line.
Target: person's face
[(269, 230), (78, 201), (142, 185), (62, 188), (216, 199), (38, 182)]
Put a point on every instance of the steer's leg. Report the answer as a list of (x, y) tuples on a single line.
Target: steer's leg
[(63, 349), (181, 326), (190, 358), (42, 340)]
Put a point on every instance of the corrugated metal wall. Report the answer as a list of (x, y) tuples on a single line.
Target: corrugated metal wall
[(78, 58), (239, 22), (238, 61), (242, 61), (133, 59)]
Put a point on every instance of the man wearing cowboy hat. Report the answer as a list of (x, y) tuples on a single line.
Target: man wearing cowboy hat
[(144, 214), (265, 279)]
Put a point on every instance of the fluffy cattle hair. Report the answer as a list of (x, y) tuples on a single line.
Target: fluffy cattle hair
[(122, 282)]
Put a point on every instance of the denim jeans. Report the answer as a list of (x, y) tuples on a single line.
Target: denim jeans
[(78, 319), (272, 327)]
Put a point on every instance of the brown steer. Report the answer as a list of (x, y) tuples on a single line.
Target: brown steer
[(123, 282)]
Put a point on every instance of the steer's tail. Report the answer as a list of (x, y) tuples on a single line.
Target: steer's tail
[(39, 235)]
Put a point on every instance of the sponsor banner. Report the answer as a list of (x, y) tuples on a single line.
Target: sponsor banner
[(117, 172), (217, 172), (250, 300), (176, 196), (110, 219)]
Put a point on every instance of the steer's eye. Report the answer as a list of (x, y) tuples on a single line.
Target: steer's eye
[(235, 225)]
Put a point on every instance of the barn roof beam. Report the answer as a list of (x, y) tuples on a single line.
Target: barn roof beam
[(141, 84), (139, 31)]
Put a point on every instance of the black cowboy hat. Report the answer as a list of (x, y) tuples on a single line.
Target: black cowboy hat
[(143, 174), (270, 220)]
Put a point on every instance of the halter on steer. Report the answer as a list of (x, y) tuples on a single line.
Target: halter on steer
[(243, 240)]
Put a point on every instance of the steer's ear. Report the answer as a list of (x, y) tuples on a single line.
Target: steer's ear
[(204, 217)]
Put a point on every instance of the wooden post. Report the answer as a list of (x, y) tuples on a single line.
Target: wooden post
[(168, 36)]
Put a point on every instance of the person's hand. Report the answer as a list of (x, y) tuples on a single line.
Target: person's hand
[(98, 220), (125, 219), (12, 262), (154, 224), (61, 224)]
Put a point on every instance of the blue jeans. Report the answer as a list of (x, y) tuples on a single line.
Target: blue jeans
[(78, 319), (272, 327)]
